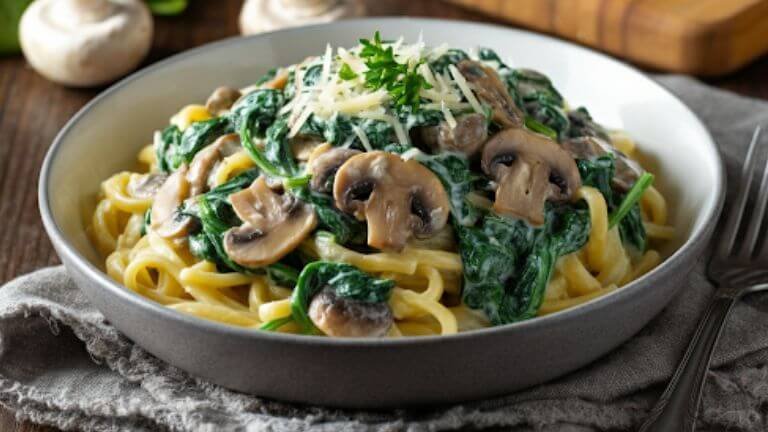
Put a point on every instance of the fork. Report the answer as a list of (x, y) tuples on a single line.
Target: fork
[(736, 268)]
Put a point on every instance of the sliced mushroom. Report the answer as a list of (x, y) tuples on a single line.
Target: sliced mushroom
[(590, 147), (273, 225), (342, 317), (167, 220), (324, 166), (398, 198), (491, 90), (206, 159), (222, 100), (277, 82), (467, 137), (146, 185), (530, 169)]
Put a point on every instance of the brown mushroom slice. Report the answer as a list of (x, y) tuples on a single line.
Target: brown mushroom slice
[(467, 137), (222, 100), (167, 221), (277, 82), (491, 90), (146, 185), (324, 166), (206, 159), (530, 169), (342, 317), (399, 199), (590, 147), (273, 225)]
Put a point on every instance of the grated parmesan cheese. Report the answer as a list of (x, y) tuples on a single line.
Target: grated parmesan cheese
[(363, 138), (448, 116), (458, 78)]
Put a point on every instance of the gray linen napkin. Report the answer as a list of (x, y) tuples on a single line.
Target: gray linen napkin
[(62, 364)]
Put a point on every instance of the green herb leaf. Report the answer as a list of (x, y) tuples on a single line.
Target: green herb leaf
[(632, 197), (346, 73), (401, 81)]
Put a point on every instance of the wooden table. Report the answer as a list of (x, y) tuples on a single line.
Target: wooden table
[(32, 110)]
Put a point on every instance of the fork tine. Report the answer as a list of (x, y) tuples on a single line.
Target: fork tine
[(758, 216), (736, 212)]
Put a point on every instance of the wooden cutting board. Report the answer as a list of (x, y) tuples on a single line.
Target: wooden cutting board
[(700, 37)]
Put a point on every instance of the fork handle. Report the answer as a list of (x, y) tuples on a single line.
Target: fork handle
[(677, 407)]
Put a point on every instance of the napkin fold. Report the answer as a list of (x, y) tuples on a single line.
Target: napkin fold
[(63, 364)]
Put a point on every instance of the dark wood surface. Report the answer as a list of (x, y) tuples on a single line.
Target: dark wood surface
[(32, 110)]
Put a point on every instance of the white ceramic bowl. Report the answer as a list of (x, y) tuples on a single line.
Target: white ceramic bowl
[(105, 136)]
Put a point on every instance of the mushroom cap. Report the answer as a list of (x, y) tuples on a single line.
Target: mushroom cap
[(398, 198), (259, 16), (529, 169), (84, 43), (222, 99), (491, 90), (273, 225), (206, 159), (342, 317), (467, 137), (323, 166), (166, 219), (146, 185), (590, 147)]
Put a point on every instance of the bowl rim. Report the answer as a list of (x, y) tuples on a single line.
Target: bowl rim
[(74, 257)]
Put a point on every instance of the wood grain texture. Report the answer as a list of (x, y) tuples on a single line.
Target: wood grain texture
[(701, 37), (32, 110)]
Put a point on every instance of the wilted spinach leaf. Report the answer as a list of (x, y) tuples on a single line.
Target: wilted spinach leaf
[(451, 57), (346, 280), (197, 136)]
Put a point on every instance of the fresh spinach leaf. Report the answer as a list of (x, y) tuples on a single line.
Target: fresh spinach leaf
[(344, 227), (450, 57), (256, 111), (198, 136), (598, 173), (277, 151), (507, 263), (536, 95), (165, 147), (346, 280), (453, 171)]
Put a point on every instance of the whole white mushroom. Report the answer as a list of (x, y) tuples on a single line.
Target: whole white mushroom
[(84, 43), (258, 16)]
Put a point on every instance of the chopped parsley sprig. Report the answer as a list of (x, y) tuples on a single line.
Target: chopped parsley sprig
[(402, 82)]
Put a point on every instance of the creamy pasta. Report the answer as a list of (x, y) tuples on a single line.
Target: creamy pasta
[(383, 190)]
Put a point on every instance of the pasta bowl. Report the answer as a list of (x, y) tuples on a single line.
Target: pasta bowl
[(105, 136)]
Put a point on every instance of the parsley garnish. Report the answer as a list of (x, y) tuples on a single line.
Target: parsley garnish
[(401, 81), (346, 73)]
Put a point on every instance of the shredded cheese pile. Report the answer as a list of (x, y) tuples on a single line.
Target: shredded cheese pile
[(332, 95)]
